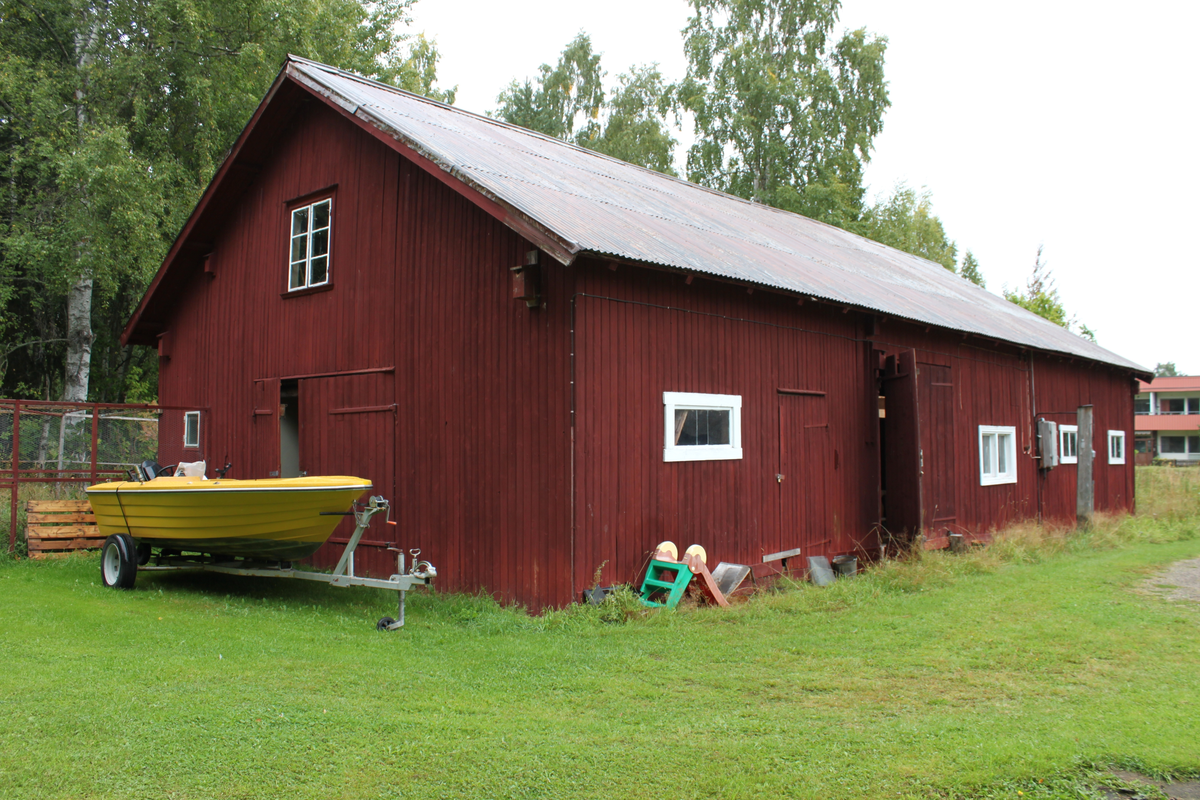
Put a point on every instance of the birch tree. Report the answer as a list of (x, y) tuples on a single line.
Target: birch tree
[(785, 114)]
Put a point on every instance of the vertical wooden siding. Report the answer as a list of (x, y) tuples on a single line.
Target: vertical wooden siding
[(998, 385), (640, 333), (1063, 386), (421, 284)]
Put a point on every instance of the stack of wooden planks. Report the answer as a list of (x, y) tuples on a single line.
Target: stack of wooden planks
[(55, 527)]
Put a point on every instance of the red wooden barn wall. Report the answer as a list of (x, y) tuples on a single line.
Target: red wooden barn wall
[(999, 385), (480, 477), (641, 333), (461, 411), (1061, 387)]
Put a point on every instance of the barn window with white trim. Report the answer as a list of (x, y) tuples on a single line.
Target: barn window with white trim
[(1116, 447), (308, 259), (191, 429), (702, 427), (997, 454), (1068, 444)]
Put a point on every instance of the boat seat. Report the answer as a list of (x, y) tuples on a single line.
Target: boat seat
[(152, 470)]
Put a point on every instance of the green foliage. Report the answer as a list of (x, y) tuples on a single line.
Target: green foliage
[(906, 221), (634, 122), (562, 98), (567, 101), (1041, 297), (970, 270), (1166, 370), (113, 117), (781, 117)]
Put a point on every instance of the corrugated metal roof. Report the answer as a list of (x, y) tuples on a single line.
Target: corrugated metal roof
[(595, 204)]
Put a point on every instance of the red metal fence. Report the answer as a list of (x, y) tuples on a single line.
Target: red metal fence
[(67, 446)]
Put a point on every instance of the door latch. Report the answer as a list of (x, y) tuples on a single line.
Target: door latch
[(778, 477)]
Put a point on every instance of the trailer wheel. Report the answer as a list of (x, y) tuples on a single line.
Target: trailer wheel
[(383, 623), (143, 554), (118, 561)]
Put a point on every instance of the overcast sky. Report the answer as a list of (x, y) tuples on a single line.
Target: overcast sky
[(1064, 124)]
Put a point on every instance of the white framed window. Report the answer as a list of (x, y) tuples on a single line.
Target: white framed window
[(702, 427), (308, 253), (997, 454), (1068, 444), (191, 429), (1116, 447), (1172, 444)]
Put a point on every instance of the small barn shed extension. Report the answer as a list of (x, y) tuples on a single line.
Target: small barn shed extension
[(550, 360)]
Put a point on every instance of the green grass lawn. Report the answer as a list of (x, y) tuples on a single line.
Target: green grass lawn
[(977, 675)]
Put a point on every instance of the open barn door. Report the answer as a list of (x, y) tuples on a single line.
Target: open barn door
[(348, 427), (902, 498)]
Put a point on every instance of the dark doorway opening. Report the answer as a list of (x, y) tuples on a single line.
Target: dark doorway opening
[(289, 429)]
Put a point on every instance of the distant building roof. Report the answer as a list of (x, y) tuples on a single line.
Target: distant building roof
[(571, 201), (1181, 383)]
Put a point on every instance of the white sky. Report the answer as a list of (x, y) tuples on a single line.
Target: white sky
[(1066, 124)]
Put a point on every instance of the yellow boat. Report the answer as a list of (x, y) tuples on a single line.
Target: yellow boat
[(278, 518)]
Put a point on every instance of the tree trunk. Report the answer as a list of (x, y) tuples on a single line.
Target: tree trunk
[(79, 300), (79, 341)]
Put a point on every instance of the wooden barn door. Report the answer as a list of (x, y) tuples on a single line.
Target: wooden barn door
[(936, 405), (902, 446), (806, 480), (266, 432), (348, 427)]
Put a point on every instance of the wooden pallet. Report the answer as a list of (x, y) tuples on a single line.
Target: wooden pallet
[(56, 527)]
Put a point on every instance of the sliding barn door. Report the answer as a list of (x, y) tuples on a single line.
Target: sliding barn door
[(936, 405), (806, 480), (348, 427), (265, 462)]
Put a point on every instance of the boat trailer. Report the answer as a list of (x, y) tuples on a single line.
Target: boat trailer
[(420, 573)]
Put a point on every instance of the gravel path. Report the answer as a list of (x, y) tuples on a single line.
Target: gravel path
[(1180, 582)]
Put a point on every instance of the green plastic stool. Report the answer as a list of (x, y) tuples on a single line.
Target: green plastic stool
[(669, 576)]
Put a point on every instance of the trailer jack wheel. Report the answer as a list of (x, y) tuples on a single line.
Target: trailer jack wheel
[(384, 623)]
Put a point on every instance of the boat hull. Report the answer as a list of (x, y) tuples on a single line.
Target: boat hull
[(279, 519)]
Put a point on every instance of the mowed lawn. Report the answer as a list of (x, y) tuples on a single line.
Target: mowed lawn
[(1021, 669)]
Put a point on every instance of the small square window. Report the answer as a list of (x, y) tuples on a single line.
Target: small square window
[(702, 427), (1068, 444), (308, 254), (191, 429), (1194, 445), (1116, 447), (997, 454), (1193, 405)]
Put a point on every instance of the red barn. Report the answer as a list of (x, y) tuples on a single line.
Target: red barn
[(550, 360)]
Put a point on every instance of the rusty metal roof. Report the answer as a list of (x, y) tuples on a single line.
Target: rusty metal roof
[(585, 202)]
